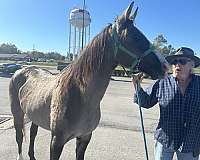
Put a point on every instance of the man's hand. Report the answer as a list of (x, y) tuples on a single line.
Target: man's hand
[(137, 78)]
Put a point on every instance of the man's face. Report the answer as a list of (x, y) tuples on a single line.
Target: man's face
[(182, 67)]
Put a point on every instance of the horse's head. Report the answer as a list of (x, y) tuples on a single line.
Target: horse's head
[(133, 50)]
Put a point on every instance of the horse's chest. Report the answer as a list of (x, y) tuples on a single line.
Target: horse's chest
[(84, 121), (90, 119)]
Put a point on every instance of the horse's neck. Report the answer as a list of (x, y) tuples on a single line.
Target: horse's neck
[(98, 78), (98, 71), (92, 72), (100, 81)]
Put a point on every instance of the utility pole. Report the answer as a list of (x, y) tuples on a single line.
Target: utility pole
[(83, 24), (33, 52)]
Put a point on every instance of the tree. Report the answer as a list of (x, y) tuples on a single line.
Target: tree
[(160, 43), (55, 55), (37, 54), (8, 48), (171, 49)]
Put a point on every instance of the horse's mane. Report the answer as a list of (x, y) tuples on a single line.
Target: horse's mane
[(91, 60)]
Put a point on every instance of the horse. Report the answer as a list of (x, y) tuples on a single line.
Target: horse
[(68, 104)]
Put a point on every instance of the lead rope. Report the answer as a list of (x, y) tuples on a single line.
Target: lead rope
[(141, 118), (137, 88)]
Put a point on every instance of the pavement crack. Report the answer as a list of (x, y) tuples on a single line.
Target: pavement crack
[(108, 124)]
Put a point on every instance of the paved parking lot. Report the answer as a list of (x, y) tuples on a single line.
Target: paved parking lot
[(4, 101), (118, 135)]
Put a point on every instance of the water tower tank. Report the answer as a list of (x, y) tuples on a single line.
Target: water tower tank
[(76, 18)]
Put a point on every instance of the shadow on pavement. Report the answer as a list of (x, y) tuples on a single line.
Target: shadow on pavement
[(121, 80)]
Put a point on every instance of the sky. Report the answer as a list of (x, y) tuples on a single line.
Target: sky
[(44, 24)]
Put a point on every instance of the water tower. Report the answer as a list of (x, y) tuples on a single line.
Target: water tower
[(79, 31)]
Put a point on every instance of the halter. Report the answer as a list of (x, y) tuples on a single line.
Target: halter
[(119, 46)]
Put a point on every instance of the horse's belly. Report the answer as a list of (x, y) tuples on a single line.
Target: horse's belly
[(40, 117), (35, 102)]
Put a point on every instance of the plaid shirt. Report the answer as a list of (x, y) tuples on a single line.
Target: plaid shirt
[(179, 123)]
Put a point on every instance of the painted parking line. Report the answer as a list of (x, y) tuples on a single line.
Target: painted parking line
[(6, 122)]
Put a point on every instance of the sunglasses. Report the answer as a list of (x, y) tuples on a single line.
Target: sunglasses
[(182, 61)]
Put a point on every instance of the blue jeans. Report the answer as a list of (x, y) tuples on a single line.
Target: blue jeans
[(162, 153)]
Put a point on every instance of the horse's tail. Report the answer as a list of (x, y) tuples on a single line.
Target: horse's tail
[(16, 109)]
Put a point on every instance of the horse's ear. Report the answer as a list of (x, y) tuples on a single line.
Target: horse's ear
[(128, 10), (133, 16)]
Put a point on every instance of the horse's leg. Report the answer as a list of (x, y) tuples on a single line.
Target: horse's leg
[(18, 116), (19, 124), (33, 133), (81, 145), (19, 127), (56, 146)]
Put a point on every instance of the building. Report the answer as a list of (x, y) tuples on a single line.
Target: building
[(15, 57)]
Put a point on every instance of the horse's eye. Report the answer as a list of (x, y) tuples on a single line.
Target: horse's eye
[(131, 21), (137, 38)]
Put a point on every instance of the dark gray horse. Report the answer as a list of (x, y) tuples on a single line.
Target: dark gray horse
[(68, 104)]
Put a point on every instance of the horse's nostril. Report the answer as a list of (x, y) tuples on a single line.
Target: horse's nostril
[(166, 67)]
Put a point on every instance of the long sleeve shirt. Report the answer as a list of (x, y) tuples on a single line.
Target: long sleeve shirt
[(179, 122)]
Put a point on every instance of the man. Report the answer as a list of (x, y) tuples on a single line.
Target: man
[(178, 96)]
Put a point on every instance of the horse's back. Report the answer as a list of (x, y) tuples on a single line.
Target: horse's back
[(33, 87), (21, 76)]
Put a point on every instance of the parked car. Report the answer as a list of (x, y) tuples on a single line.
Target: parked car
[(1, 67), (62, 65), (10, 67), (120, 72)]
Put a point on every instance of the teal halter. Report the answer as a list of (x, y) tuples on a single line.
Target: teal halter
[(119, 46)]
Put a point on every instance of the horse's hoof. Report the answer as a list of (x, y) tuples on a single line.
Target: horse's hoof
[(20, 157)]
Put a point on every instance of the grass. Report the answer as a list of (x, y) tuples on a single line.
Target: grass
[(197, 70), (44, 63)]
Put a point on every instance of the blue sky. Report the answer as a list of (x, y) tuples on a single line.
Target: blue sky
[(44, 23)]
